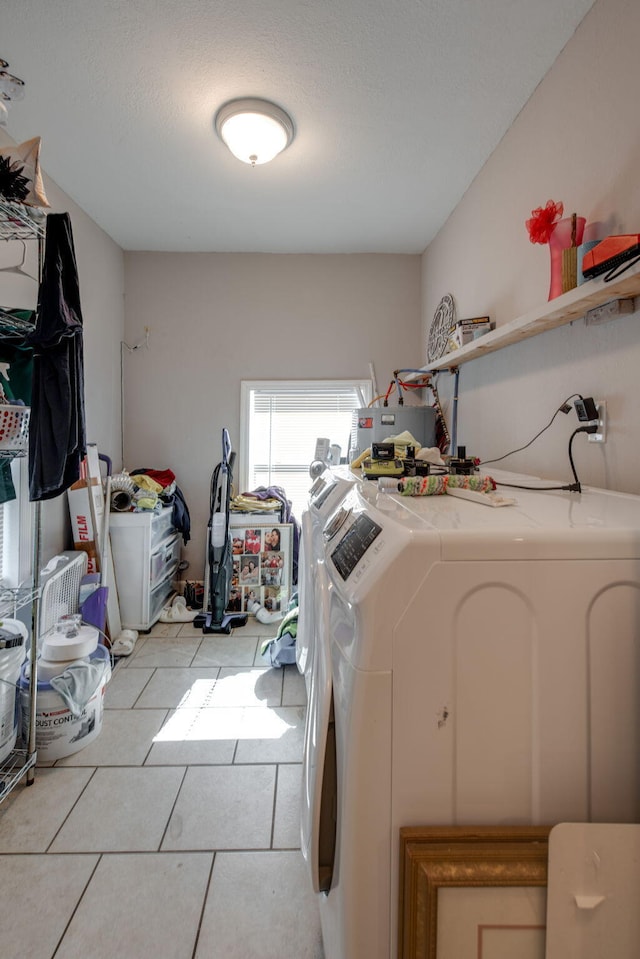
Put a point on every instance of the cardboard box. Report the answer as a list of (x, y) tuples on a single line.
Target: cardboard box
[(82, 522), (81, 513), (93, 565)]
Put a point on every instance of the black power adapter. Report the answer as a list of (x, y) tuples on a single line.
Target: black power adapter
[(586, 409)]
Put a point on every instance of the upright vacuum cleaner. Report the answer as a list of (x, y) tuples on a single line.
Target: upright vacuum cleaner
[(219, 557)]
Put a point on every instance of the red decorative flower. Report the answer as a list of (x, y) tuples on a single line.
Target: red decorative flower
[(543, 221)]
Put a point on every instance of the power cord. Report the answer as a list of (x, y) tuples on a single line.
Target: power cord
[(581, 429), (574, 487), (570, 487), (563, 408)]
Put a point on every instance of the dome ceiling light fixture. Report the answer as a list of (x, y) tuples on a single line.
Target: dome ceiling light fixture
[(255, 130)]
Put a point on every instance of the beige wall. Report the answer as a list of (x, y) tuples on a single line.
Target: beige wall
[(216, 319), (101, 275), (577, 140)]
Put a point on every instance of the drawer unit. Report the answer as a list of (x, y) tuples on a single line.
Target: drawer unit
[(161, 526), (146, 553), (164, 559)]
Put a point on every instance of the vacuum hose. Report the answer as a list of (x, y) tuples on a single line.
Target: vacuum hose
[(121, 501)]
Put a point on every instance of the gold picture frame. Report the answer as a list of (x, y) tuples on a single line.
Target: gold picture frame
[(438, 858)]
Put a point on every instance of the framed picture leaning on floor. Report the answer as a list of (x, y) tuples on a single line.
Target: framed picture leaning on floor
[(262, 565)]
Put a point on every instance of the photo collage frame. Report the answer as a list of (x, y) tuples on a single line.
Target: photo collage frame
[(262, 566)]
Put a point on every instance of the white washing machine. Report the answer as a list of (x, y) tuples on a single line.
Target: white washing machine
[(471, 666), (325, 496)]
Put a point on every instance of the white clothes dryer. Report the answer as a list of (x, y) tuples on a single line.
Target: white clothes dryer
[(325, 496), (328, 491), (471, 666)]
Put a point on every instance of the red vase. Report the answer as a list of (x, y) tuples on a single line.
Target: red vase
[(560, 240)]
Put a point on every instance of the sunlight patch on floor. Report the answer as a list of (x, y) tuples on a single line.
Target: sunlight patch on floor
[(250, 722)]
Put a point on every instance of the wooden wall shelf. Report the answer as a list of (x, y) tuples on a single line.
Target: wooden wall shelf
[(563, 309)]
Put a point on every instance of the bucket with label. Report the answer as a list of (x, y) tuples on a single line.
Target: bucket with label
[(61, 728), (13, 649)]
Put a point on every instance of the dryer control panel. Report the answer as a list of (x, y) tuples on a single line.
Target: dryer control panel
[(317, 487), (320, 491), (354, 544)]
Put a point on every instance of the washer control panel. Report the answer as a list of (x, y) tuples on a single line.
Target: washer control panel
[(354, 544)]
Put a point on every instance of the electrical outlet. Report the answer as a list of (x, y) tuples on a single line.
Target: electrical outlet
[(608, 311), (601, 435)]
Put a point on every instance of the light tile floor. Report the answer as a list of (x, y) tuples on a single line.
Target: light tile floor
[(175, 833)]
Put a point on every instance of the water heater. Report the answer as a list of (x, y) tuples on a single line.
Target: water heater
[(376, 424)]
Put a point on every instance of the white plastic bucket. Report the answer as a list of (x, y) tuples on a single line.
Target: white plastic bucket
[(11, 659), (58, 732)]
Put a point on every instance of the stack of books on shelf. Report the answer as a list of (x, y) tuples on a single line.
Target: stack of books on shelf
[(464, 331)]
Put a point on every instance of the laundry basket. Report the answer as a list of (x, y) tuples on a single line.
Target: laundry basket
[(14, 427)]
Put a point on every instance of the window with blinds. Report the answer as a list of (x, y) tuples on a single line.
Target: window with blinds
[(2, 544), (280, 423), (16, 530)]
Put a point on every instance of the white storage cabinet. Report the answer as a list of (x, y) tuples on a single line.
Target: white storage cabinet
[(146, 554)]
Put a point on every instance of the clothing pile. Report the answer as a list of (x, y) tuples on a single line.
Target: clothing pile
[(145, 490), (281, 650)]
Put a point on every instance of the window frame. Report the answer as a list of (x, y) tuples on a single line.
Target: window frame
[(363, 384), (16, 541)]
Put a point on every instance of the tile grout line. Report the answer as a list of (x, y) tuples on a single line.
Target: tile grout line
[(172, 810), (77, 800), (148, 753), (204, 906), (196, 650), (77, 905), (277, 777), (274, 805), (153, 672)]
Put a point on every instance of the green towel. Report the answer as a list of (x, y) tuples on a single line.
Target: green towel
[(287, 627)]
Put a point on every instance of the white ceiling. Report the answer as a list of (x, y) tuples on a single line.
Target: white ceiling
[(396, 104)]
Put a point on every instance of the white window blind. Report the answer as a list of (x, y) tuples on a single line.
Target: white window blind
[(2, 544), (281, 422), (16, 530)]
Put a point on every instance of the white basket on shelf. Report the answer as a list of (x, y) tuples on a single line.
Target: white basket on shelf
[(14, 428)]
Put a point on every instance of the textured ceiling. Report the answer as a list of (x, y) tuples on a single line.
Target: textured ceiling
[(396, 104)]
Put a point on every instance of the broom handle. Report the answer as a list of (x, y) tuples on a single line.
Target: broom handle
[(105, 532)]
